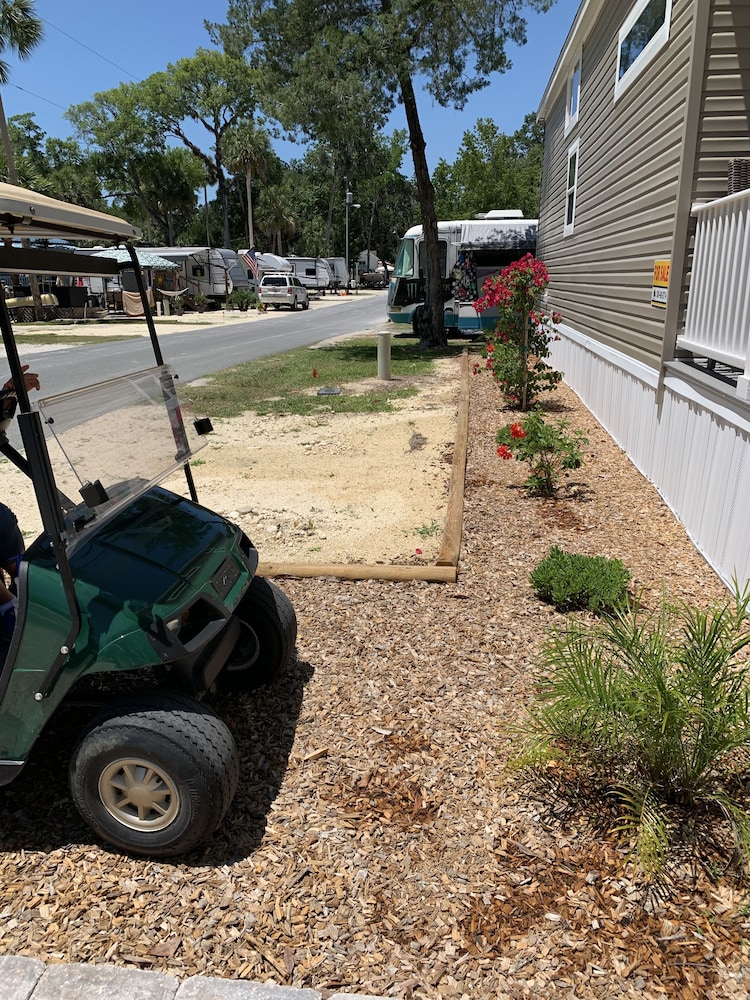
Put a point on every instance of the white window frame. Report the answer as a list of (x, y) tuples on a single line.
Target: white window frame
[(649, 52), (573, 95), (571, 190)]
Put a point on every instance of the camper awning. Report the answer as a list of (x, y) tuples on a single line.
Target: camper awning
[(272, 262), (507, 234), (27, 213), (145, 258)]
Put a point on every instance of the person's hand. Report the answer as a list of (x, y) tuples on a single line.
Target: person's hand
[(30, 379)]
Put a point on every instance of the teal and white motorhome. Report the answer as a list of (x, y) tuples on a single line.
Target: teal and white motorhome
[(471, 250)]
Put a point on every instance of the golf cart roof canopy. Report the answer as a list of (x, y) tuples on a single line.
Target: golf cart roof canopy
[(30, 214)]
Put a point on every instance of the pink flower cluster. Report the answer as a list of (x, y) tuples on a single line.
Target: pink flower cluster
[(523, 275)]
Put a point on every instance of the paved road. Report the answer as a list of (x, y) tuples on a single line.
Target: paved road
[(205, 349), (29, 979)]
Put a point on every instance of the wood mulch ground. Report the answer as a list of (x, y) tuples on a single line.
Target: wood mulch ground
[(375, 843)]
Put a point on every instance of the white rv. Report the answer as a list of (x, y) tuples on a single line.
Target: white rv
[(338, 268), (314, 272), (268, 263), (212, 271), (471, 250)]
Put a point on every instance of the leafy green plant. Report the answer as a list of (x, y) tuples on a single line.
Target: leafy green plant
[(427, 530), (242, 298), (200, 301), (653, 712), (571, 582), (519, 344), (550, 449)]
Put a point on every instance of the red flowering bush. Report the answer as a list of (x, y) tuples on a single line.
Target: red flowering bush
[(519, 344), (550, 449)]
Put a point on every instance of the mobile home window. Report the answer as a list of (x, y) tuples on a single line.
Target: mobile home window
[(643, 34), (571, 186), (574, 96)]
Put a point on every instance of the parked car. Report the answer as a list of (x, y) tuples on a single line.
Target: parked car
[(283, 290)]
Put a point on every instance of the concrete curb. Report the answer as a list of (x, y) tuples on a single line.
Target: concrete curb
[(29, 979)]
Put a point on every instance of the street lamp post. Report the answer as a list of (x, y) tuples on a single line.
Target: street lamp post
[(349, 203)]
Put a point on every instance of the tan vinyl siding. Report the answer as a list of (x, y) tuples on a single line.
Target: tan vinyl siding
[(724, 130), (629, 158), (724, 118)]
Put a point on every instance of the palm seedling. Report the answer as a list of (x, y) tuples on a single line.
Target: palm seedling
[(653, 710)]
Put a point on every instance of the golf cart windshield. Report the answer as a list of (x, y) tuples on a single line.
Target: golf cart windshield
[(110, 442)]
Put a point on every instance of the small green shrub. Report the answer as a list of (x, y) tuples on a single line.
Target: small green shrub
[(242, 298), (550, 449), (572, 582)]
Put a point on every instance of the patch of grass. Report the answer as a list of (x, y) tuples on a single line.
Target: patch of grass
[(280, 384), (64, 339)]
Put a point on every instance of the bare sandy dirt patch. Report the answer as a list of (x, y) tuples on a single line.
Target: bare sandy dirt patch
[(331, 488), (339, 487)]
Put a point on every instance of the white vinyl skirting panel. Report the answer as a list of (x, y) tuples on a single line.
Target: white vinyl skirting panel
[(693, 446)]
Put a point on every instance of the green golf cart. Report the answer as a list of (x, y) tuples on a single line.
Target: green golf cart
[(132, 591)]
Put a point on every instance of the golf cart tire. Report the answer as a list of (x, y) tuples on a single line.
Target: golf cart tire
[(269, 632), (178, 760)]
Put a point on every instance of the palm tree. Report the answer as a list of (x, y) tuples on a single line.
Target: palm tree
[(276, 216), (20, 32), (248, 149)]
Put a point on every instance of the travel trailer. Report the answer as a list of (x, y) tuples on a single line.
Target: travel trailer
[(314, 272), (267, 263), (471, 250), (212, 271), (340, 275)]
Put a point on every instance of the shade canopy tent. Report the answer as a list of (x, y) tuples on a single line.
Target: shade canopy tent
[(145, 258), (148, 261)]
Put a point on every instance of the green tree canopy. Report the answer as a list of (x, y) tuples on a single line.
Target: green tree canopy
[(492, 170), (335, 57), (210, 90)]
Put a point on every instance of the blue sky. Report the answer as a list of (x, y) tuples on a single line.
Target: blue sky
[(91, 46)]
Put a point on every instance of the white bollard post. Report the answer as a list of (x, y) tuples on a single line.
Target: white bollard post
[(384, 355)]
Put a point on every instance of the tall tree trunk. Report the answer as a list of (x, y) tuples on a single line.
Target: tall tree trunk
[(249, 189), (331, 204), (13, 178), (224, 207), (432, 321)]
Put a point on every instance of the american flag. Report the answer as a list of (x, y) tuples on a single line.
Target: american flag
[(250, 259)]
